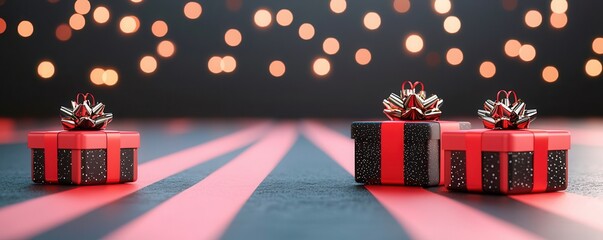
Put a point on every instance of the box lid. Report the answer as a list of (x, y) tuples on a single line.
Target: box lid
[(431, 129), (506, 140), (82, 139)]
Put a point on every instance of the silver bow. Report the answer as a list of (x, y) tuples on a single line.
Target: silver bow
[(502, 114), (85, 115), (410, 105)]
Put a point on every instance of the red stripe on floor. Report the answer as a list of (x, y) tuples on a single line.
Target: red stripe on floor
[(32, 217), (423, 214), (205, 210)]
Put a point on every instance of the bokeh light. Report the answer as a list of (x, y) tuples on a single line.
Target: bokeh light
[(442, 6), (512, 47), (533, 18), (214, 64), (2, 25), (321, 66), (330, 46), (101, 15), (25, 28), (452, 24), (192, 10), (96, 76), (166, 48), (558, 20), (77, 21), (509, 5), (593, 67), (401, 6), (63, 32), (129, 24), (372, 20), (414, 43), (233, 37), (284, 17), (110, 77), (454, 56), (598, 45), (136, 1), (363, 56), (148, 64), (81, 6), (159, 28), (338, 6), (228, 64), (277, 68), (306, 31), (527, 52), (559, 6), (487, 69), (550, 74), (262, 18), (46, 69)]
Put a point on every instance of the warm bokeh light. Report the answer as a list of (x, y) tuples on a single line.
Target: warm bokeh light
[(442, 6), (25, 28), (372, 20), (129, 24), (148, 64), (414, 43), (277, 68), (81, 6), (63, 32), (321, 66), (136, 1), (512, 47), (233, 37), (593, 67), (330, 46), (306, 31), (598, 45), (509, 5), (2, 25), (550, 74), (110, 77), (454, 56), (228, 64), (338, 6), (214, 64), (452, 24), (363, 56), (401, 6), (487, 69), (192, 10), (159, 28), (558, 20), (527, 52), (234, 5), (77, 21), (533, 18), (262, 18), (96, 76), (166, 48), (46, 69), (284, 17), (432, 59), (559, 6), (101, 14)]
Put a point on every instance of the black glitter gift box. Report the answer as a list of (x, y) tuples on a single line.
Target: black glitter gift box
[(401, 152), (84, 157)]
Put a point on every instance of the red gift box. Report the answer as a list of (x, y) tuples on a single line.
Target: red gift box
[(506, 161), (84, 157)]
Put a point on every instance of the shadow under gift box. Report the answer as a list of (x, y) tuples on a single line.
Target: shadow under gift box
[(400, 152), (506, 161), (84, 157)]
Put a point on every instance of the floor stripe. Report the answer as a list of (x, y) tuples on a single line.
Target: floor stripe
[(32, 217), (425, 215), (205, 210)]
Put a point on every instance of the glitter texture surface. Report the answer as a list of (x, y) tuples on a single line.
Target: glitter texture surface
[(521, 172), (38, 165), (367, 150), (64, 166), (94, 166), (416, 153), (126, 165), (491, 172), (458, 177), (557, 170)]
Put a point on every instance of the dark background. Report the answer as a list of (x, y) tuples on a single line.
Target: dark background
[(183, 86)]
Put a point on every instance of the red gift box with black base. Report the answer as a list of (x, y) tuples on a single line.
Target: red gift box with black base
[(84, 157), (401, 152), (506, 161)]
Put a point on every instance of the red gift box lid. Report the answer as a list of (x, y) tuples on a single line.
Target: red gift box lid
[(83, 139), (506, 140)]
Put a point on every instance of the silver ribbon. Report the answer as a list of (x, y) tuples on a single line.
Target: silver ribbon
[(85, 115), (410, 105), (502, 114)]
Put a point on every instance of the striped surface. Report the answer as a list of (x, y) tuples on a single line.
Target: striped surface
[(282, 180)]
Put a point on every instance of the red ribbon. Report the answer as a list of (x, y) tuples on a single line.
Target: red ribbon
[(392, 152), (51, 155), (473, 165), (541, 158)]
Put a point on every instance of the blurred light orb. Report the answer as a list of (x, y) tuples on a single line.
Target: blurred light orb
[(110, 77), (363, 56), (159, 28), (593, 67), (284, 17), (338, 6), (63, 32), (148, 64), (233, 37), (598, 45), (277, 68), (136, 1), (372, 21), (533, 18), (2, 25), (487, 69), (166, 48), (330, 46), (321, 66), (414, 43), (82, 7), (442, 6), (550, 74), (46, 69), (559, 6), (527, 52), (512, 47), (77, 21), (509, 5), (129, 24), (25, 28), (214, 64), (101, 15), (228, 64), (192, 10), (262, 18), (96, 76), (454, 56), (306, 31), (452, 24), (558, 20), (401, 6)]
